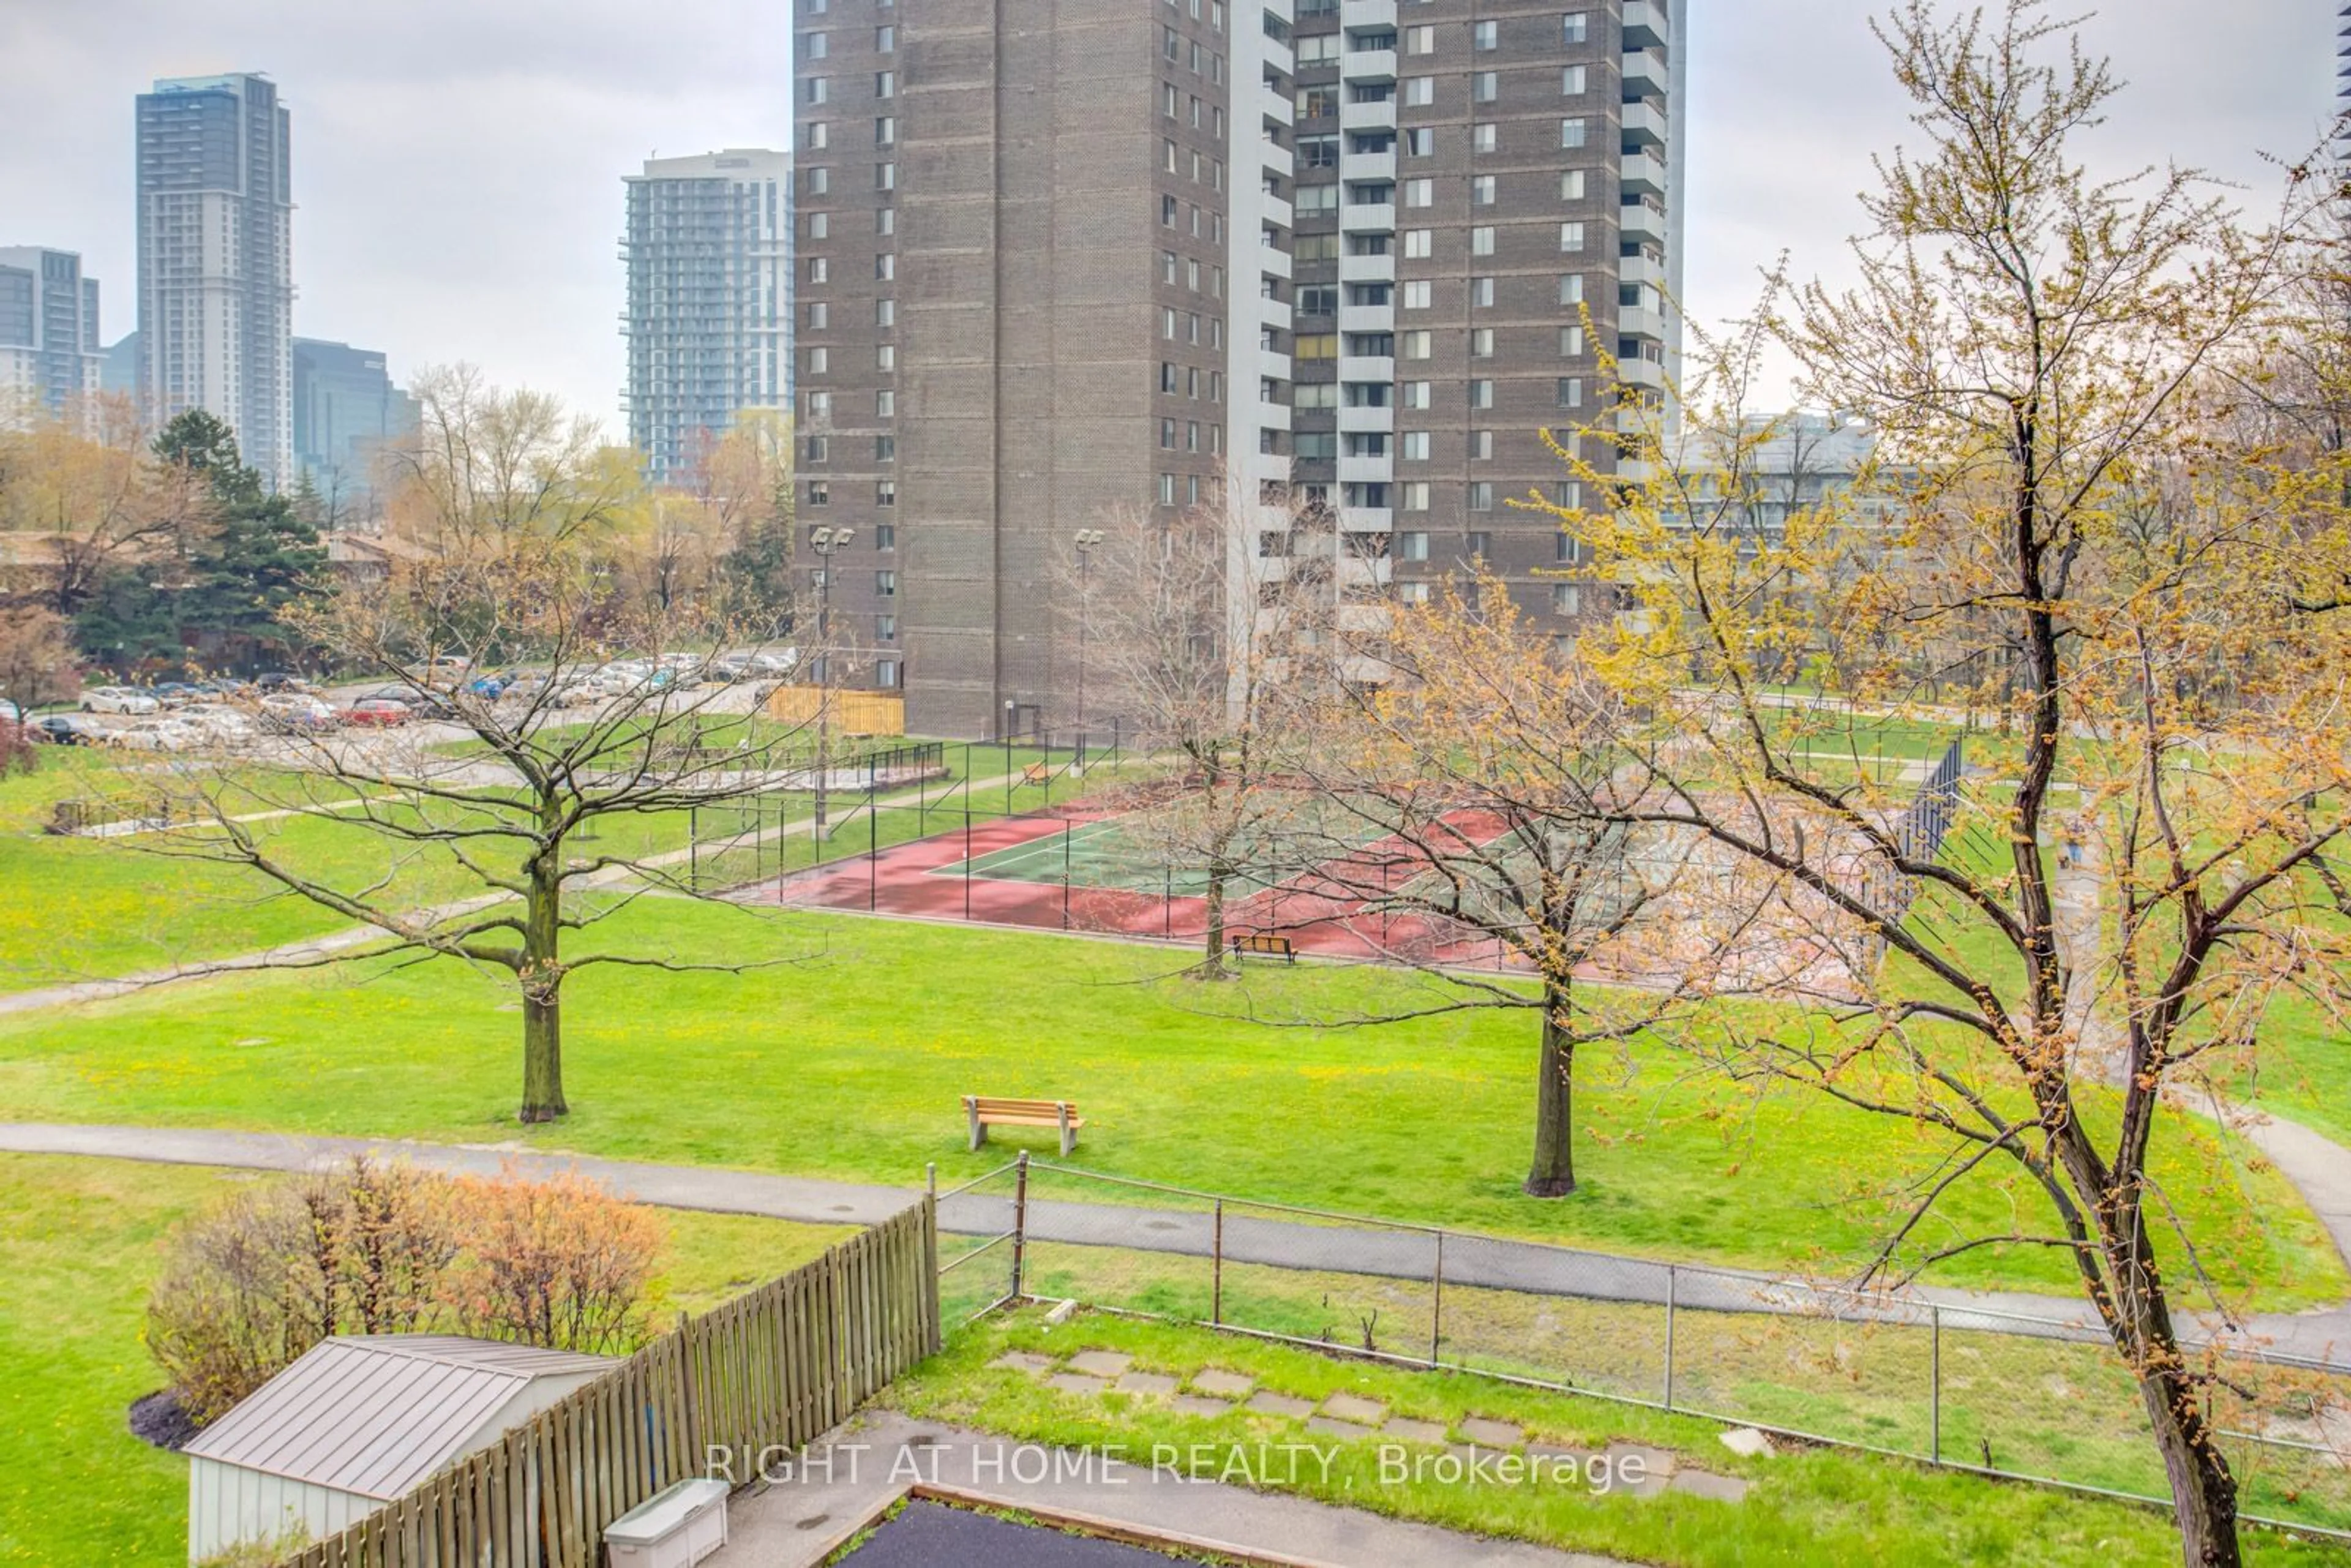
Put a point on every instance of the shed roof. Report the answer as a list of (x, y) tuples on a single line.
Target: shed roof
[(375, 1414)]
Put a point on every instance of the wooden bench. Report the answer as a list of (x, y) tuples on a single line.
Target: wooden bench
[(985, 1112), (1270, 946), (1035, 773)]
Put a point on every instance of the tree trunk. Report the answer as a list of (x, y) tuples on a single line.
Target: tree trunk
[(1212, 959), (2203, 1491), (1552, 1174), (542, 992)]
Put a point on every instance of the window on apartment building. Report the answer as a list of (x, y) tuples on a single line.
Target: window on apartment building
[(819, 316), (1371, 293), (1566, 549), (1420, 40), (1317, 103), (1413, 394), (820, 492), (817, 361), (1412, 546), (1481, 499), (1571, 342), (886, 628), (885, 266), (885, 450), (1413, 497), (1167, 378), (1418, 243), (1371, 345), (885, 84), (886, 312), (1481, 240), (885, 585), (1217, 15), (1366, 444), (885, 38), (1317, 201), (886, 356), (1168, 100), (1318, 152), (1415, 344), (1415, 294), (1482, 190), (1192, 275), (1168, 211), (1484, 87), (817, 90), (1167, 154), (1167, 435), (1320, 50), (1315, 346), (886, 492), (819, 135), (1168, 489), (1575, 27), (816, 181), (1570, 392), (1571, 236), (1485, 34), (1167, 322), (886, 536), (1481, 342), (1481, 442), (1481, 394), (816, 449), (1571, 289), (1574, 80), (1370, 394), (815, 8), (1315, 247), (886, 176), (1419, 92), (819, 226), (1573, 131), (1216, 283), (1420, 142), (1191, 435), (813, 45), (1570, 185), (885, 220), (1168, 265), (885, 131), (1318, 299), (1478, 545), (1566, 598), (886, 403), (1420, 192), (1484, 138), (1413, 446), (886, 675), (816, 407), (1481, 293)]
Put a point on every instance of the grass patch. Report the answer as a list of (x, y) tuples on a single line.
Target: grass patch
[(77, 1251), (1807, 1506)]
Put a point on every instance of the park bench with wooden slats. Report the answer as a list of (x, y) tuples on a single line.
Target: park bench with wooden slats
[(985, 1112), (1270, 946), (1035, 773)]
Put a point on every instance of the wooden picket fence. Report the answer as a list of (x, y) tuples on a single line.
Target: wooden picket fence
[(762, 1374)]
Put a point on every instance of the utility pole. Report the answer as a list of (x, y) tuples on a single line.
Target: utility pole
[(1087, 540), (824, 541)]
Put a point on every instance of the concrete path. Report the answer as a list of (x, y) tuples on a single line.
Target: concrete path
[(801, 1516), (1400, 1253)]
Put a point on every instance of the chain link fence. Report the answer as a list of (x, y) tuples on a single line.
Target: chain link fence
[(2041, 1399)]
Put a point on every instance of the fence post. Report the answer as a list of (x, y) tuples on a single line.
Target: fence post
[(1066, 828), (1217, 1270), (1672, 1275), (1935, 1383), (1437, 1305), (1019, 1220)]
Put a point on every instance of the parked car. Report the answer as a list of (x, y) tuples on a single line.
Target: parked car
[(289, 713), (66, 730), (445, 673), (280, 681), (119, 699), (420, 705), (155, 734), (493, 685), (175, 693), (376, 711), (218, 721), (10, 713)]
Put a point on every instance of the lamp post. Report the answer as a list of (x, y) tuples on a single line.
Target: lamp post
[(1086, 540), (824, 541)]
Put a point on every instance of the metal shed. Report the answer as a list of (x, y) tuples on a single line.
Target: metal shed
[(358, 1422)]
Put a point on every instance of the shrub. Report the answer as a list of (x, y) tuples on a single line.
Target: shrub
[(560, 1263), (372, 1249)]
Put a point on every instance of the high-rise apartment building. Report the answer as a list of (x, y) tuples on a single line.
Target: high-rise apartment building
[(51, 355), (346, 412), (709, 256), (215, 260), (1055, 261)]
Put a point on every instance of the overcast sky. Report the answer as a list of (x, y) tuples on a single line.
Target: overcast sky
[(457, 163)]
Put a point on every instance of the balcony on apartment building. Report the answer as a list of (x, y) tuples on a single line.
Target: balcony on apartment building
[(1648, 25)]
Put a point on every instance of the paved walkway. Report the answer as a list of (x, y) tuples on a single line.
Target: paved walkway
[(800, 1518), (1401, 1253)]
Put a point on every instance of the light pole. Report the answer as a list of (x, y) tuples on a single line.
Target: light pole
[(1086, 540), (824, 541)]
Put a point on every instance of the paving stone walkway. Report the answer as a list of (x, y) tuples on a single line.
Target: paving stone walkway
[(1210, 1392)]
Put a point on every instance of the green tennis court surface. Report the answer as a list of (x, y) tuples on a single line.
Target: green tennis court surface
[(1118, 856)]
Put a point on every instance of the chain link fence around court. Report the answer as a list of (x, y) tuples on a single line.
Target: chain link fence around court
[(2041, 1399)]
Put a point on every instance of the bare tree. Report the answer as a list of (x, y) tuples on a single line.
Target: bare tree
[(561, 798), (2033, 341), (1205, 625)]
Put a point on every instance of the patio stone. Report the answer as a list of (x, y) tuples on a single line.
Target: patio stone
[(1492, 1434), (1353, 1407), (1331, 1428), (1194, 1405), (1101, 1363), (1149, 1383), (1224, 1384), (1022, 1361), (1702, 1483), (1656, 1475), (1076, 1383), (1268, 1403), (1747, 1442), (1410, 1431)]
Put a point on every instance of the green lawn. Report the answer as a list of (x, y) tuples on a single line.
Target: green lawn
[(851, 1064), (77, 1253), (1806, 1507)]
